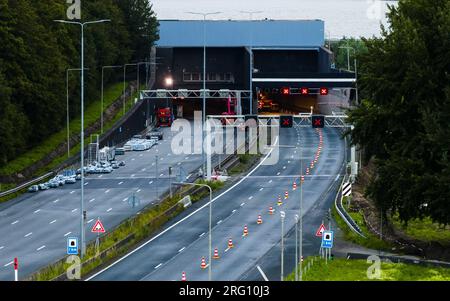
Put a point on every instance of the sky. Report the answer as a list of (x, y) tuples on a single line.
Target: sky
[(350, 18)]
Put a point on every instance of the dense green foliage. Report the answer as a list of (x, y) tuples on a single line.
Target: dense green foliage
[(36, 51), (341, 60), (404, 120)]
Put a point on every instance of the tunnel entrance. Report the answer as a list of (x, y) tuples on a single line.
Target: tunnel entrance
[(274, 101)]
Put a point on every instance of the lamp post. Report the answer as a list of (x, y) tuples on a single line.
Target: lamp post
[(124, 86), (283, 215), (67, 107), (204, 79), (210, 221), (348, 55), (251, 54), (82, 25), (103, 71)]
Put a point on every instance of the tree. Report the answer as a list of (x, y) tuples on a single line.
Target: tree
[(403, 122)]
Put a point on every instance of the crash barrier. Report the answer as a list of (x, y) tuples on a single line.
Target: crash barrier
[(25, 185)]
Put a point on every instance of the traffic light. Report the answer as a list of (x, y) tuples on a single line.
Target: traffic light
[(286, 121), (304, 91), (285, 91), (318, 121), (323, 91), (16, 263)]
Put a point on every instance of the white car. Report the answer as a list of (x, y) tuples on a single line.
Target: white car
[(33, 188), (43, 187), (71, 180)]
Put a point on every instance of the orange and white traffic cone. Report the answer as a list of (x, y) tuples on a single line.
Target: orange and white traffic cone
[(279, 203), (245, 231), (203, 264), (303, 179), (286, 195), (216, 254), (230, 243), (271, 210), (307, 171), (259, 221), (183, 276), (294, 186)]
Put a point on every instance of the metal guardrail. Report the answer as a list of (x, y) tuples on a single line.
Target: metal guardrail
[(343, 213), (25, 185)]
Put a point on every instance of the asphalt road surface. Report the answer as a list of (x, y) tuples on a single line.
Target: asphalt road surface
[(35, 226), (182, 244)]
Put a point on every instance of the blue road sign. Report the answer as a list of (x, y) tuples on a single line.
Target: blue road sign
[(72, 246), (327, 239)]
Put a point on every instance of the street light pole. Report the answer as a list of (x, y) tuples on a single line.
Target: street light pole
[(283, 215), (103, 71), (204, 80), (83, 245), (67, 108), (348, 55), (301, 212), (124, 86), (210, 224), (251, 55), (296, 247)]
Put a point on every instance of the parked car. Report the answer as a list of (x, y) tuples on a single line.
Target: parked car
[(121, 163), (71, 180), (43, 187), (115, 165), (119, 151), (33, 188), (78, 177), (155, 134)]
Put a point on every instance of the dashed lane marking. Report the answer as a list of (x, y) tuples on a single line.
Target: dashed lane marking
[(67, 234), (91, 200), (37, 211), (13, 223), (53, 221), (29, 234), (201, 235), (109, 210), (182, 249), (40, 248)]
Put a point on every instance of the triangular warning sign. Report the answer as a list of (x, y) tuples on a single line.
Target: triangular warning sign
[(98, 227), (320, 230)]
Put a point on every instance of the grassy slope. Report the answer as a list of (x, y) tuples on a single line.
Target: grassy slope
[(424, 230), (92, 114), (372, 241), (356, 270)]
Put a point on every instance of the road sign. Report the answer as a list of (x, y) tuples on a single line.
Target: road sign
[(98, 227), (286, 121), (347, 189), (320, 231), (318, 121), (72, 246), (327, 239)]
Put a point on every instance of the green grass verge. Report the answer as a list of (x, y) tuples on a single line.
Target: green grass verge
[(141, 226), (92, 114), (371, 241), (245, 161), (356, 270), (423, 230)]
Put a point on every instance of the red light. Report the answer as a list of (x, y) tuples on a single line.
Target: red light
[(305, 91), (323, 91), (16, 264), (285, 91)]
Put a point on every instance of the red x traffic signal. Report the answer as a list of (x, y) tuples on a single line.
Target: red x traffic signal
[(286, 121), (323, 91), (285, 91), (304, 91), (318, 121)]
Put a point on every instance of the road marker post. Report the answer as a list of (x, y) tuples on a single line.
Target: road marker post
[(216, 254), (259, 221), (245, 231), (16, 269)]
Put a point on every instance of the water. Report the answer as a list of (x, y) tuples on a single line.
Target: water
[(350, 18)]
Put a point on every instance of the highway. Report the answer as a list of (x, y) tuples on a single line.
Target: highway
[(181, 245), (34, 227)]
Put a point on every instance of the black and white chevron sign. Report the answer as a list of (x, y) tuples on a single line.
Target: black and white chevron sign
[(347, 189)]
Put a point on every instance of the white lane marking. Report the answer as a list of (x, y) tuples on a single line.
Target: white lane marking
[(109, 210), (261, 189), (284, 167), (181, 250), (90, 221), (37, 211), (337, 178), (53, 221), (144, 169), (100, 176), (186, 217), (29, 234), (137, 191), (133, 159), (125, 199), (55, 201), (85, 184), (150, 183), (179, 163), (13, 223), (161, 175), (251, 197), (74, 210), (67, 234), (140, 155), (234, 211), (72, 192), (153, 164), (187, 158), (279, 173), (40, 248), (91, 200), (262, 273), (159, 265), (270, 181), (107, 191), (243, 204), (133, 176), (120, 183), (219, 222), (2, 247), (8, 264), (226, 250), (201, 235), (289, 162)]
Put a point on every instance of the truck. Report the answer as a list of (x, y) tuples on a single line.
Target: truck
[(164, 117)]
